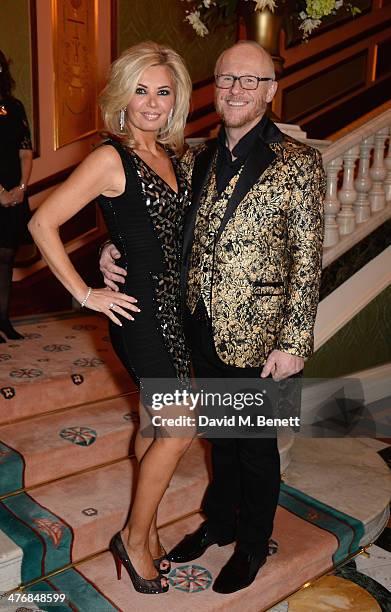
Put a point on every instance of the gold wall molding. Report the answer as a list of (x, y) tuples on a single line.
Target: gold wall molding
[(75, 65)]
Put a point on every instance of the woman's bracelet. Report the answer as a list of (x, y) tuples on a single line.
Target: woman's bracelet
[(83, 303)]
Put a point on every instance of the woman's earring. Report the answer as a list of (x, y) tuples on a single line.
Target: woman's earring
[(170, 116), (122, 120)]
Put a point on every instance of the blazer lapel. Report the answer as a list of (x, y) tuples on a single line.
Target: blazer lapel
[(259, 159), (200, 175)]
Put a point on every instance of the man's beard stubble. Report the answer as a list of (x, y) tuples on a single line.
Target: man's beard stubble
[(253, 112)]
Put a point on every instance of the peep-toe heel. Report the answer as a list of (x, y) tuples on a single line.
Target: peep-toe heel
[(157, 563), (140, 584)]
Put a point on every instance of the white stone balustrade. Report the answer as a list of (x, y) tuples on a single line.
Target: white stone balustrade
[(378, 172), (360, 163), (363, 182), (331, 204), (346, 218), (387, 163)]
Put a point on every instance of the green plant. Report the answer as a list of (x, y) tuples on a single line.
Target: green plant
[(205, 15)]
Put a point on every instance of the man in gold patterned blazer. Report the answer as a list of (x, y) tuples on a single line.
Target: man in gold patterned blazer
[(251, 273)]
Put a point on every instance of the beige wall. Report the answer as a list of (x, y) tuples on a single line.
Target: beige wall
[(15, 44)]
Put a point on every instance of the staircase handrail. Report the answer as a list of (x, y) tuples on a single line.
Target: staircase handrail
[(340, 146), (358, 192)]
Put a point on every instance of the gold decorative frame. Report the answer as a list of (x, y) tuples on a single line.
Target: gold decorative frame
[(75, 26)]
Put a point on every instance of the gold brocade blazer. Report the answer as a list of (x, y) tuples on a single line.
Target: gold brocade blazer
[(268, 250)]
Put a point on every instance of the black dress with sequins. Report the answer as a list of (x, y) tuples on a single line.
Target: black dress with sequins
[(146, 225)]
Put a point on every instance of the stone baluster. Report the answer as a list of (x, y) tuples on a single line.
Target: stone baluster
[(347, 195), (363, 182), (387, 163), (331, 203), (378, 172)]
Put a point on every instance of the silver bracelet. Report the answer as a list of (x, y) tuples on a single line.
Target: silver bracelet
[(83, 303)]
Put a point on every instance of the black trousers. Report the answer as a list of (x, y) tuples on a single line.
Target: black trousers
[(241, 500)]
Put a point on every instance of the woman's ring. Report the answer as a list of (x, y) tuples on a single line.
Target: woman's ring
[(111, 305)]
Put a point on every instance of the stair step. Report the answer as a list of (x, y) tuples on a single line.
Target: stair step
[(60, 363), (60, 444), (72, 518), (304, 552), (76, 516), (66, 442), (81, 481), (346, 474)]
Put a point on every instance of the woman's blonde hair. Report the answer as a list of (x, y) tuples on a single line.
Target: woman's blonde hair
[(124, 77)]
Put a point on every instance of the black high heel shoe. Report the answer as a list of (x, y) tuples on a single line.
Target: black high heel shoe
[(157, 563), (121, 558), (8, 330)]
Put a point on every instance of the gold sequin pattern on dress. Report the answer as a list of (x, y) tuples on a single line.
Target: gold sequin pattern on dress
[(166, 209)]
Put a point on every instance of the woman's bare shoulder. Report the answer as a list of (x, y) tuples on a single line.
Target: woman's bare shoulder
[(106, 153)]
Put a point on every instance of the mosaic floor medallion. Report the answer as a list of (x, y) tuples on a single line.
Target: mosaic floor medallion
[(83, 436), (190, 578)]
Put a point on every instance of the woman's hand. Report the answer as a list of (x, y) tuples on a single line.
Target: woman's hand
[(17, 195), (110, 302), (6, 199)]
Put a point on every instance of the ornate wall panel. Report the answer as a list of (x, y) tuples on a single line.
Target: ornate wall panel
[(162, 22), (383, 53), (320, 89), (75, 64)]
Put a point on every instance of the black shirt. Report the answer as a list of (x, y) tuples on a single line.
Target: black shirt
[(226, 168)]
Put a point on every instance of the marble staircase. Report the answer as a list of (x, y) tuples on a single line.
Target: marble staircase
[(67, 472), (45, 435)]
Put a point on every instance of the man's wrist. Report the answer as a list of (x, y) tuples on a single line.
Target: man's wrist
[(102, 246)]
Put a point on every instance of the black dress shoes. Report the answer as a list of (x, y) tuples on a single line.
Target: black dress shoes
[(238, 573), (195, 544)]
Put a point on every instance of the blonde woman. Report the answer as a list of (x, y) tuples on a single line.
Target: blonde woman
[(136, 178)]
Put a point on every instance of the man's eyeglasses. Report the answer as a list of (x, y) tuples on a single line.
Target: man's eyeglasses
[(247, 81)]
